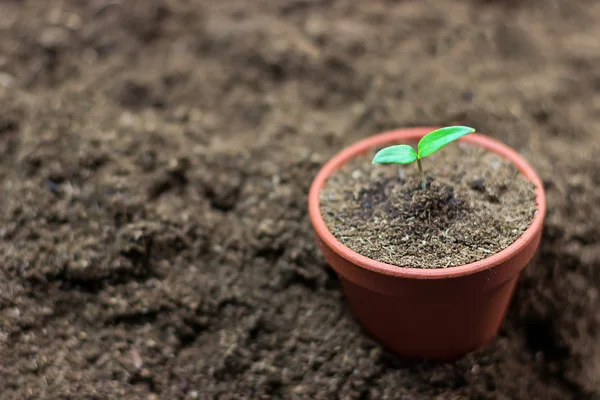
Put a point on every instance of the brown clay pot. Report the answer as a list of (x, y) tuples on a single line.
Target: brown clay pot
[(438, 314)]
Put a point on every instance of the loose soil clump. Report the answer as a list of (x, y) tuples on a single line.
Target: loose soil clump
[(475, 205)]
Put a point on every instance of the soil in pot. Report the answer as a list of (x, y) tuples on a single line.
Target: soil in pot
[(475, 205)]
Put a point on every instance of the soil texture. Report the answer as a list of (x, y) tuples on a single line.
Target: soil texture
[(155, 160), (475, 204)]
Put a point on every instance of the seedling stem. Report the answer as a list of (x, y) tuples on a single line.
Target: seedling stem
[(423, 182)]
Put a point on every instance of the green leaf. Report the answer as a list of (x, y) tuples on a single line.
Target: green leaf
[(400, 154), (435, 140)]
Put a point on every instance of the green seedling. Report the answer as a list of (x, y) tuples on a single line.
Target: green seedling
[(429, 144)]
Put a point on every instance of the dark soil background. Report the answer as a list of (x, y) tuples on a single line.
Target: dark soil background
[(155, 162)]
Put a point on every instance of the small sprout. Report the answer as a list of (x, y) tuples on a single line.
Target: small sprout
[(429, 144)]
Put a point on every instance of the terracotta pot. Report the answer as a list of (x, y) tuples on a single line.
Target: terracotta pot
[(438, 314)]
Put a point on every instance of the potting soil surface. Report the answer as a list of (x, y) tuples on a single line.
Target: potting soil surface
[(155, 159), (474, 204)]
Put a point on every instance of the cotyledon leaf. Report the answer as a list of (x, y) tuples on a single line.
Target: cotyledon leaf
[(400, 154), (437, 139)]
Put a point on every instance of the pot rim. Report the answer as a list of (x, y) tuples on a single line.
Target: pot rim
[(408, 134)]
